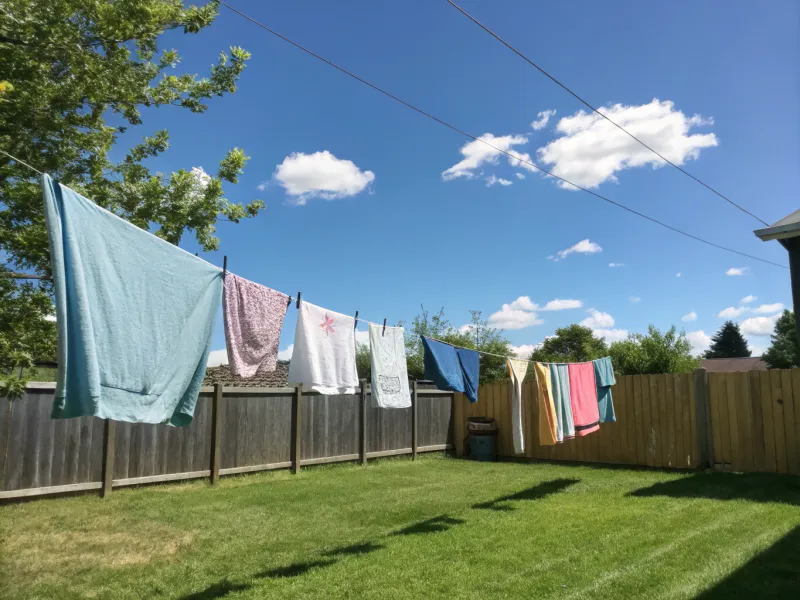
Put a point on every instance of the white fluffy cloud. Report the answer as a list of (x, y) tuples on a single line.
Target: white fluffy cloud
[(520, 175), (737, 271), (477, 153), (590, 150), (678, 274), (634, 299), (748, 299), (699, 340), (523, 303), (731, 312), (614, 265), (759, 325), (768, 309), (524, 351), (542, 118), (286, 353), (598, 320), (217, 358), (582, 247), (692, 316), (611, 335), (562, 304), (320, 175), (516, 315), (493, 179)]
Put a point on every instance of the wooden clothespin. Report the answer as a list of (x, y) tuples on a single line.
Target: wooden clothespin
[(384, 327), (299, 297), (355, 325)]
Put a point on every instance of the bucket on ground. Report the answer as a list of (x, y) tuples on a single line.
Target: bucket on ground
[(482, 438)]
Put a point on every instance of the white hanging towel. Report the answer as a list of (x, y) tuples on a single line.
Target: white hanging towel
[(324, 355), (517, 369), (389, 371)]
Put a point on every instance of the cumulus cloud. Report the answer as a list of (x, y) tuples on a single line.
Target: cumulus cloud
[(492, 180), (542, 118), (748, 299), (590, 150), (614, 265), (286, 353), (598, 320), (562, 304), (517, 315), (262, 186), (582, 247), (692, 316), (768, 309), (759, 325), (611, 335), (524, 351), (520, 175), (477, 153), (320, 175), (217, 358), (731, 312), (678, 274), (634, 299), (699, 340), (737, 271)]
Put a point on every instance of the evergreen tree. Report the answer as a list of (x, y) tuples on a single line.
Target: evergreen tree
[(784, 352), (728, 342)]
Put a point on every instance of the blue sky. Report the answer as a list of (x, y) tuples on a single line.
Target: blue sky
[(409, 226)]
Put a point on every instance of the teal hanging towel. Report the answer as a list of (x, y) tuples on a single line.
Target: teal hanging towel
[(134, 315)]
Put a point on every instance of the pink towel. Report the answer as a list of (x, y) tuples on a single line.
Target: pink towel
[(253, 320), (583, 398)]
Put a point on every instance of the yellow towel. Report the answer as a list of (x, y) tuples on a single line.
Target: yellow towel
[(547, 410)]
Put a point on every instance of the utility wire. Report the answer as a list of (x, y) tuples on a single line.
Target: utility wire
[(614, 123), (478, 139)]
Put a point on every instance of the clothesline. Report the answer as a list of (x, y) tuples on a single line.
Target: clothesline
[(21, 162)]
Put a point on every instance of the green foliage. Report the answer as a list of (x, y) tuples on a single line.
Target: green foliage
[(784, 352), (75, 75), (654, 352), (24, 326), (575, 343), (728, 342)]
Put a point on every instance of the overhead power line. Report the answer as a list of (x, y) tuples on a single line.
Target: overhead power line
[(584, 102), (500, 150)]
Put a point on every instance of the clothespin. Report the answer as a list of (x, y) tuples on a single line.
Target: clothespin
[(224, 267), (384, 327), (299, 296), (355, 326)]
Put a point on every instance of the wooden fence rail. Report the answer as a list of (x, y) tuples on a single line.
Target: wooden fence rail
[(748, 421), (235, 430)]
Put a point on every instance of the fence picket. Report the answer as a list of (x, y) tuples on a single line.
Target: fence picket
[(778, 421), (789, 417)]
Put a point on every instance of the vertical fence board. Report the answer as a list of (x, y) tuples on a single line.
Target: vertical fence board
[(796, 399), (641, 435), (5, 410), (730, 392), (778, 421), (643, 389), (789, 416), (678, 398), (756, 409), (770, 458), (631, 420), (745, 415)]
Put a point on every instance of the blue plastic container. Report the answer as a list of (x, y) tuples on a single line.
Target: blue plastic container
[(482, 447)]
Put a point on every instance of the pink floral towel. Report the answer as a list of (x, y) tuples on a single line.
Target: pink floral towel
[(253, 320), (583, 398)]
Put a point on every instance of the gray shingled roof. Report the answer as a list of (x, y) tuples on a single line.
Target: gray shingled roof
[(223, 375)]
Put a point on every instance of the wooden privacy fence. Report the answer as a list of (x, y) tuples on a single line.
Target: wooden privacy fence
[(748, 421), (235, 430)]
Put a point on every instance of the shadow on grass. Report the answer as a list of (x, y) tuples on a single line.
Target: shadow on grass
[(217, 590), (775, 573), (295, 569), (535, 492), (756, 487), (433, 525), (354, 550)]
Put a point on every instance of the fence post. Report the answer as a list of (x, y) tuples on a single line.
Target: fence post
[(216, 432), (296, 424), (705, 442), (362, 424), (458, 424), (109, 434), (414, 428)]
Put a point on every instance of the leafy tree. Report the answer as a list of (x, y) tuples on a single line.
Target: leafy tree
[(728, 342), (654, 352), (76, 74), (784, 352), (25, 328), (575, 343)]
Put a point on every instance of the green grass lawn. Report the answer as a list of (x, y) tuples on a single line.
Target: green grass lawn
[(434, 528)]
